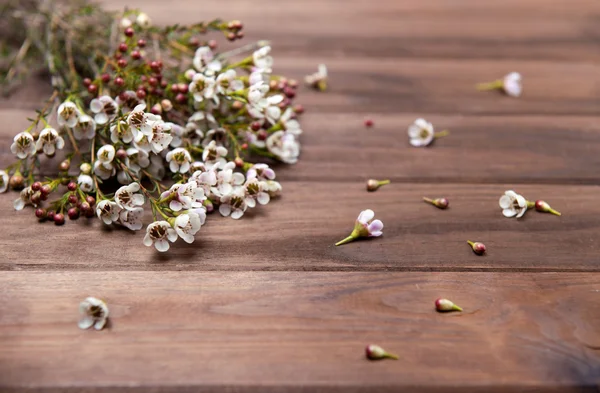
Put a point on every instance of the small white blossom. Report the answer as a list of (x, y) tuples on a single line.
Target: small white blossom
[(106, 154), (284, 146), (23, 145), (157, 167), (23, 199), (233, 204), (261, 172), (227, 84), (265, 108), (199, 123), (120, 131), (202, 87), (177, 134), (105, 109), (187, 225), (204, 59), (68, 114), (160, 138), (512, 84), (124, 177), (262, 60), (49, 141), (179, 160), (272, 187), (184, 196), (143, 144), (104, 171), (513, 204), (160, 234), (318, 80), (227, 179), (421, 133), (205, 179), (257, 92), (94, 312), (290, 124), (132, 219), (3, 181), (126, 197), (108, 211), (214, 155), (141, 122), (85, 183), (254, 191), (136, 159), (85, 128), (143, 20)]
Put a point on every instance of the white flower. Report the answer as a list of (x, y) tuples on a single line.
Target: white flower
[(106, 154), (23, 199), (160, 234), (143, 144), (512, 84), (132, 219), (68, 114), (205, 179), (187, 225), (136, 159), (257, 92), (177, 134), (318, 79), (284, 146), (262, 60), (105, 108), (160, 138), (202, 87), (124, 177), (143, 20), (421, 133), (272, 187), (266, 108), (219, 135), (128, 100), (291, 125), (258, 76), (179, 160), (23, 145), (200, 122), (213, 155), (254, 192), (513, 204), (126, 197), (104, 171), (3, 181), (364, 226), (157, 167), (94, 312), (108, 211), (85, 128), (120, 131), (261, 172), (184, 196), (227, 179), (49, 141), (204, 60), (233, 204), (86, 183), (141, 122), (227, 84)]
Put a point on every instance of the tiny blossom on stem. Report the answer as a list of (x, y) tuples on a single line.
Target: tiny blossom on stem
[(108, 211), (440, 203), (188, 224), (478, 247), (94, 312), (421, 133), (444, 305), (159, 234), (375, 352), (511, 85), (179, 160), (513, 204), (104, 108), (544, 207), (364, 226), (126, 197), (3, 181), (68, 114), (373, 184), (23, 145), (49, 141), (318, 80)]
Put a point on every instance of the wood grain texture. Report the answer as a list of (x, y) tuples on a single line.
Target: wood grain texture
[(298, 231), (279, 330)]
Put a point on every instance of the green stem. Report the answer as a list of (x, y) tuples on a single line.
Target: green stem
[(441, 134), (495, 85), (391, 356), (470, 243), (346, 240)]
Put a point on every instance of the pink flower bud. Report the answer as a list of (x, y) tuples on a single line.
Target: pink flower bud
[(478, 248), (375, 352), (446, 305), (543, 207), (440, 203), (373, 185)]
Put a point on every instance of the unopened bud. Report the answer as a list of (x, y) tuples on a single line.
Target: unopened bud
[(446, 305), (16, 182), (543, 207), (237, 105), (208, 205), (375, 352), (373, 185), (238, 162), (156, 109), (65, 165), (478, 248), (369, 123), (440, 203), (85, 168), (121, 154), (166, 105)]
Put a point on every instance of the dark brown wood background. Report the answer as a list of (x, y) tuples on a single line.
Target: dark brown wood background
[(268, 304)]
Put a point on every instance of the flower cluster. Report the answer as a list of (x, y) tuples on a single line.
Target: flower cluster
[(186, 133)]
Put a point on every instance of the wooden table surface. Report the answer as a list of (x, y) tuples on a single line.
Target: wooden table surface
[(268, 304)]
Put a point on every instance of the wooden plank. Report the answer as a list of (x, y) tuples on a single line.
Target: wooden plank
[(298, 233), (276, 332), (559, 29)]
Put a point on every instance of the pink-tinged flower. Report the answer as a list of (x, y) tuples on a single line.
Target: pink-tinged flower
[(214, 155), (160, 234), (261, 172), (233, 204), (511, 84), (255, 192), (105, 109), (205, 179), (94, 312), (188, 224), (365, 226), (108, 211), (227, 180), (375, 352), (444, 305), (140, 121), (126, 197), (160, 138), (184, 196)]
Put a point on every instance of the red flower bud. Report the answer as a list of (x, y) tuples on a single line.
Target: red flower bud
[(72, 199), (141, 43), (129, 32), (86, 82), (46, 189), (123, 47), (59, 219), (40, 213), (121, 154), (64, 165), (543, 207), (375, 352), (72, 186), (478, 248), (369, 123), (239, 162), (92, 89), (105, 78), (50, 215), (440, 203), (446, 305), (73, 213), (136, 55), (91, 200), (36, 186)]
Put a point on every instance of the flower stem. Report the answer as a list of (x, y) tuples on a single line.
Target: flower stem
[(441, 134), (470, 243), (495, 85), (383, 182), (428, 200), (346, 240), (530, 205), (390, 356), (556, 213)]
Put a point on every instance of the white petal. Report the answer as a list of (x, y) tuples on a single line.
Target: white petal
[(365, 216), (86, 323), (100, 324), (161, 245), (237, 214), (509, 212), (225, 210), (263, 198), (505, 202)]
